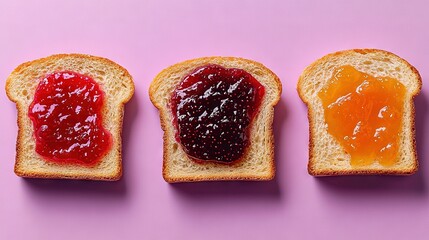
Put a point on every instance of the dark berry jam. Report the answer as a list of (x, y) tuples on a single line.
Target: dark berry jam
[(67, 117), (213, 108)]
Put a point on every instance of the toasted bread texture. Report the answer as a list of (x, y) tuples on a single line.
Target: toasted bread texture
[(257, 162), (326, 156), (116, 83)]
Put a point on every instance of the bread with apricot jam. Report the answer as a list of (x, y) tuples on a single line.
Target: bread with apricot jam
[(361, 113)]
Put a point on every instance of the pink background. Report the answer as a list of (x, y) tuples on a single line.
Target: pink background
[(147, 36)]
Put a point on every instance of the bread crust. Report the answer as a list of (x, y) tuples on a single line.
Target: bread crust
[(312, 138), (164, 122), (22, 113)]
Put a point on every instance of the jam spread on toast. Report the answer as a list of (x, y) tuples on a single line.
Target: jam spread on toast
[(364, 114), (67, 118), (213, 108)]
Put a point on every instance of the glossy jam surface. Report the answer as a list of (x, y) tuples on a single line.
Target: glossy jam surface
[(67, 119), (364, 114), (213, 108)]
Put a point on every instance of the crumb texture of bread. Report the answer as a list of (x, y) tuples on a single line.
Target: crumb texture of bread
[(118, 87), (258, 161), (326, 156)]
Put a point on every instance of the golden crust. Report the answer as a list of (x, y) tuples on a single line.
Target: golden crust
[(311, 169), (163, 119), (22, 113)]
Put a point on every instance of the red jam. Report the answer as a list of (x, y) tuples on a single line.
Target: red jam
[(67, 117), (213, 108)]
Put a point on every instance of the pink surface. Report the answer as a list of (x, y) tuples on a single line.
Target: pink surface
[(147, 36)]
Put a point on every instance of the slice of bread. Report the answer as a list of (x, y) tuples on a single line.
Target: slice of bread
[(256, 164), (326, 156), (118, 87)]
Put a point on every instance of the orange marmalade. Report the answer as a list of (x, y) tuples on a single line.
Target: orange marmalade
[(364, 114)]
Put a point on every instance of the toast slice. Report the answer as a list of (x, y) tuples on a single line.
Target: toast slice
[(118, 88), (326, 156), (257, 162)]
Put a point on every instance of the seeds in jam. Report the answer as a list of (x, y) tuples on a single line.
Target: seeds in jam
[(364, 114), (67, 118), (213, 108)]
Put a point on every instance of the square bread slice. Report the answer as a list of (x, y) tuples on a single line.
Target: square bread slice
[(258, 161), (118, 87), (326, 156)]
